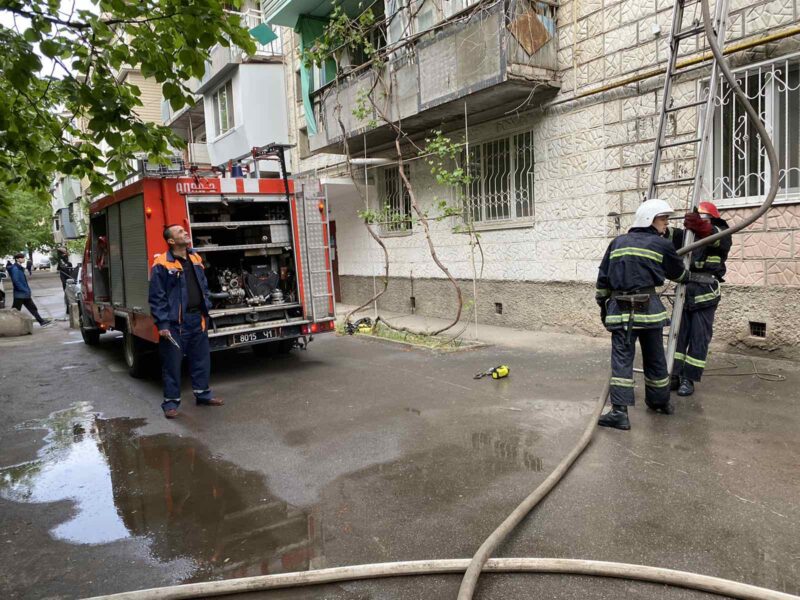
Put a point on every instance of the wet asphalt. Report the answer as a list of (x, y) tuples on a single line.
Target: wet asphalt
[(360, 451)]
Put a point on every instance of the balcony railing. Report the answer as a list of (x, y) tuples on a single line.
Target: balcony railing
[(223, 59), (253, 18), (499, 57), (198, 154)]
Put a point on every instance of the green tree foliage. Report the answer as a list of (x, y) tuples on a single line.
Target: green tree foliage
[(60, 95), (25, 221)]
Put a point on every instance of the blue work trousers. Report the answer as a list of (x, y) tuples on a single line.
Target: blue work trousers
[(694, 337), (193, 341), (656, 378)]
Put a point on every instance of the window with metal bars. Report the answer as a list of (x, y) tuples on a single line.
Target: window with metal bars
[(395, 202), (739, 167), (501, 180)]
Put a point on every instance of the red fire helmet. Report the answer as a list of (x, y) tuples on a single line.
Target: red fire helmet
[(708, 208)]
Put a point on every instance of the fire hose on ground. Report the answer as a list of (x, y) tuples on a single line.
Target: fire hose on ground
[(481, 561)]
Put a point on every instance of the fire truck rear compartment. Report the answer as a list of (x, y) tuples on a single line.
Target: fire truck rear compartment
[(247, 251)]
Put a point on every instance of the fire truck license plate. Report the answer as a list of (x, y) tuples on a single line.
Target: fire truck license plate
[(253, 336)]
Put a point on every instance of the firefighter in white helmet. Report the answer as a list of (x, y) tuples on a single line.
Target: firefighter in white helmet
[(634, 265)]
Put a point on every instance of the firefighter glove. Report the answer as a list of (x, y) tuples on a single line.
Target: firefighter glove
[(694, 222)]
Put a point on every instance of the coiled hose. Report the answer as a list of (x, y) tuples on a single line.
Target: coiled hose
[(481, 561)]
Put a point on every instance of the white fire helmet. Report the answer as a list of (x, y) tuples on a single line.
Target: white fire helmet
[(649, 210)]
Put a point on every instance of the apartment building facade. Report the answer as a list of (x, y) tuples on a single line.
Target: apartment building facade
[(240, 101), (556, 108)]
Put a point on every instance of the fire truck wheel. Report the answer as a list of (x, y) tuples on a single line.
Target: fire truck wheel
[(138, 356), (90, 335)]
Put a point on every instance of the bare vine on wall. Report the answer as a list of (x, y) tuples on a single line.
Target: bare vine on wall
[(352, 36), (344, 35)]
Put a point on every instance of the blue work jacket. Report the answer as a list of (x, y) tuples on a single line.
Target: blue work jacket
[(636, 261), (169, 295), (706, 259)]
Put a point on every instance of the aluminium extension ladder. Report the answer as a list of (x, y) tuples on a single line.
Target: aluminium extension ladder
[(679, 33)]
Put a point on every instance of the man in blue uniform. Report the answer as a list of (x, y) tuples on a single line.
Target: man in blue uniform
[(701, 298), (633, 266), (179, 305), (22, 291)]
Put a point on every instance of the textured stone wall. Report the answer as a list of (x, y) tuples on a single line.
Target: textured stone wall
[(592, 164), (570, 308), (767, 253), (557, 306)]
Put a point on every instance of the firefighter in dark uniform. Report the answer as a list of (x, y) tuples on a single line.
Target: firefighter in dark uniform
[(633, 266), (701, 298), (179, 305)]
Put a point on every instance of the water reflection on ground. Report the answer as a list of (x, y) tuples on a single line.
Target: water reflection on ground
[(168, 491)]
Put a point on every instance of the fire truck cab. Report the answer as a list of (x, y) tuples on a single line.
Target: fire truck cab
[(265, 249)]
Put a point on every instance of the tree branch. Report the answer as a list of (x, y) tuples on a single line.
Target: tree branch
[(54, 20)]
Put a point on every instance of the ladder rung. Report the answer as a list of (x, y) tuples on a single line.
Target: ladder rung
[(321, 295), (681, 143), (677, 180), (319, 272), (682, 35), (689, 105)]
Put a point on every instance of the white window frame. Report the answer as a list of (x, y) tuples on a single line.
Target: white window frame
[(504, 199), (395, 200), (773, 82), (226, 124)]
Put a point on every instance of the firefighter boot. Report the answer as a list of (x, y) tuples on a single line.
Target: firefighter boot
[(664, 409), (674, 383), (617, 418), (686, 388)]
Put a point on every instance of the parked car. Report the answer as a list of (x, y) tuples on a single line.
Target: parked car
[(42, 264)]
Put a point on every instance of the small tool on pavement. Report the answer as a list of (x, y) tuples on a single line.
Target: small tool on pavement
[(497, 373)]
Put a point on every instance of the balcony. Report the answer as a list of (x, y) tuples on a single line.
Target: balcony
[(497, 59), (198, 154), (186, 117), (223, 60)]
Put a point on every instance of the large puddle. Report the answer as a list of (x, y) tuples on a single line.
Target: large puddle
[(165, 490)]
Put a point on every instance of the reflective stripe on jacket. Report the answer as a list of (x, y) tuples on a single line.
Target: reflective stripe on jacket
[(637, 260), (707, 259), (169, 296)]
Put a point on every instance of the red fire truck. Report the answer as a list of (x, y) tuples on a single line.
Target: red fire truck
[(265, 248)]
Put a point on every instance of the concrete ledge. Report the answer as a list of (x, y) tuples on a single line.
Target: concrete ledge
[(13, 323), (569, 307)]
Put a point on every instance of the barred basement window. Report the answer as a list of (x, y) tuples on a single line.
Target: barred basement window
[(758, 329), (740, 167), (395, 202), (501, 186)]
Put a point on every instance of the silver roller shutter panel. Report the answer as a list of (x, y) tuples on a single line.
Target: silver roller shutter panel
[(115, 256), (134, 254)]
